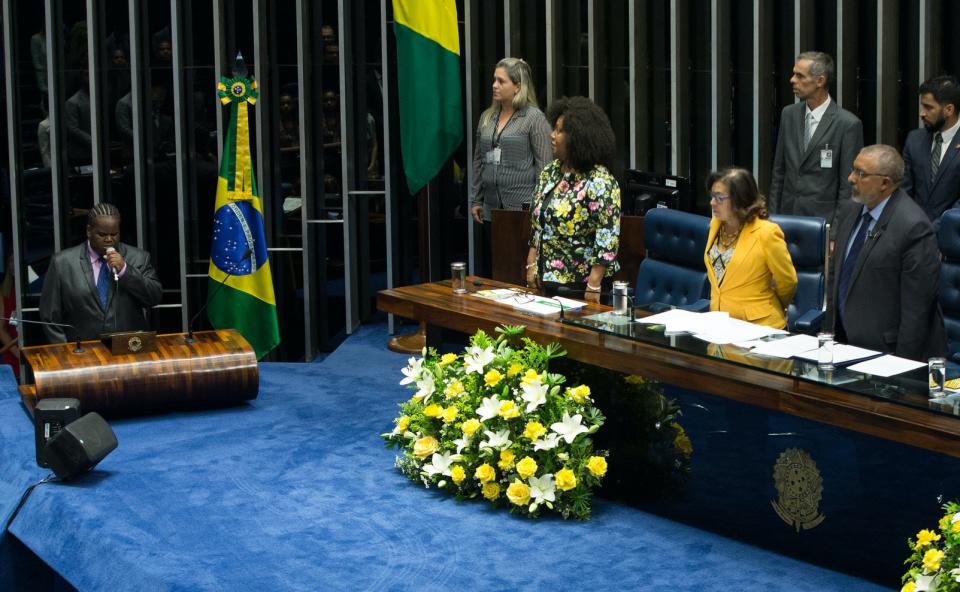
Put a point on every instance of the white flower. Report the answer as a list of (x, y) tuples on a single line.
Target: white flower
[(490, 407), (535, 395), (426, 387), (956, 574), (439, 464), (542, 489), (549, 442), (569, 427), (462, 443), (926, 583), (498, 440), (412, 371), (476, 358)]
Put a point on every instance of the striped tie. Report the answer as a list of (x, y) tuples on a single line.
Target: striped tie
[(935, 156)]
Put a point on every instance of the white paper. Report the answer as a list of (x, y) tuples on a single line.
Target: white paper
[(727, 331), (529, 302), (887, 366), (787, 347), (842, 354)]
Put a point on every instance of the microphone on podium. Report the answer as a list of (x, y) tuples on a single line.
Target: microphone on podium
[(189, 338), (568, 291), (14, 321)]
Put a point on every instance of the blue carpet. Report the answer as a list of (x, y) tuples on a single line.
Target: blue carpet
[(295, 491)]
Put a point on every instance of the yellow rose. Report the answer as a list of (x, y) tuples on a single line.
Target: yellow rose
[(534, 430), (403, 422), (636, 379), (932, 559), (417, 398), (447, 359), (509, 410), (945, 521), (514, 369), (909, 587), (492, 378), (457, 474), (491, 491), (925, 537), (425, 446), (597, 465), (454, 389), (485, 473), (681, 441), (531, 377), (518, 493), (579, 393), (506, 460), (433, 410), (470, 426), (566, 480), (449, 414), (527, 467)]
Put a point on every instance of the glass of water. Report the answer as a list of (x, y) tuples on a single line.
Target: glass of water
[(937, 371), (825, 351)]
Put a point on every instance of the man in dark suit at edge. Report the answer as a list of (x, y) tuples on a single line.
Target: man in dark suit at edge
[(886, 265), (931, 167), (816, 145), (100, 285)]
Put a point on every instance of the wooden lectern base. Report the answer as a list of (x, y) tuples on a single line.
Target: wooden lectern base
[(412, 343)]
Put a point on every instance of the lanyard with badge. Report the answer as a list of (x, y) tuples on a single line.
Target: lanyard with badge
[(493, 156)]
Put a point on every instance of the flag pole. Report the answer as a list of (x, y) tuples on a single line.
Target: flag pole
[(413, 343)]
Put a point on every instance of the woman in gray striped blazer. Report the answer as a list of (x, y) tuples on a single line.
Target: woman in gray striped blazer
[(513, 146)]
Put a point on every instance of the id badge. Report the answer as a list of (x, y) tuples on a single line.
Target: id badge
[(493, 157), (826, 158)]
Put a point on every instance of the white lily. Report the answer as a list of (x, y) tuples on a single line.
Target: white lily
[(412, 372), (542, 489), (955, 574), (498, 440), (926, 583), (534, 394), (426, 387), (475, 359), (569, 427), (488, 408), (548, 442), (462, 443), (439, 464)]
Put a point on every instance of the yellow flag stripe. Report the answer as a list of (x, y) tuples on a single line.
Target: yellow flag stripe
[(434, 19), (258, 285)]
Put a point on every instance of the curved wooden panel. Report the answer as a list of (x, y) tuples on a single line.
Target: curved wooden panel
[(218, 368)]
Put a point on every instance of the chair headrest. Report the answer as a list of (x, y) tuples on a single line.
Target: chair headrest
[(675, 236), (948, 236), (806, 239)]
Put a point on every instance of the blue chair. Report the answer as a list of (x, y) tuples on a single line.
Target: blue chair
[(948, 238), (673, 272), (806, 238)]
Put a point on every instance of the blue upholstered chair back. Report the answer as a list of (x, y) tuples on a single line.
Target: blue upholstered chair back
[(806, 241), (673, 271), (949, 239)]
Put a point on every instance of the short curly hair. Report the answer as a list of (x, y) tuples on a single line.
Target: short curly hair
[(590, 139)]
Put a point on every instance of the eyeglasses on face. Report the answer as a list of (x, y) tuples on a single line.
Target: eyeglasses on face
[(860, 174), (719, 197)]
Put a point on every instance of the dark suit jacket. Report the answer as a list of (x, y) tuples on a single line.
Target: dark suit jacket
[(70, 295), (944, 192), (892, 301), (800, 187)]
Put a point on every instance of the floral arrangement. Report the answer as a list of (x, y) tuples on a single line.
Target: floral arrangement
[(494, 423), (934, 564)]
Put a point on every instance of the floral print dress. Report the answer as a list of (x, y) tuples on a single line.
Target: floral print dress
[(575, 223)]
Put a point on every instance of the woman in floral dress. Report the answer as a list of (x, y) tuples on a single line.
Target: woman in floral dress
[(575, 214)]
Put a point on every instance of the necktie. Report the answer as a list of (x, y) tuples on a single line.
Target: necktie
[(935, 155), (808, 131), (851, 261), (103, 282)]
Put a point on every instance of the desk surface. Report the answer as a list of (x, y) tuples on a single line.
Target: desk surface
[(888, 411)]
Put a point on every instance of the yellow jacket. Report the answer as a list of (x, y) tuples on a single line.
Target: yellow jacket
[(760, 279)]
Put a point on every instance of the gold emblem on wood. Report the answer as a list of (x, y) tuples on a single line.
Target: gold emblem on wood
[(135, 344), (799, 489)]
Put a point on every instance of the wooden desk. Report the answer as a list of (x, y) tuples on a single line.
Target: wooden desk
[(436, 305)]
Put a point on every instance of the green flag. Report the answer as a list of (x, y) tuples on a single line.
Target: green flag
[(428, 80)]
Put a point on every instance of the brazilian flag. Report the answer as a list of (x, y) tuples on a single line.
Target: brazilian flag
[(428, 83), (238, 253)]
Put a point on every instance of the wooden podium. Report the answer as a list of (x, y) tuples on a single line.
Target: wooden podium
[(217, 368)]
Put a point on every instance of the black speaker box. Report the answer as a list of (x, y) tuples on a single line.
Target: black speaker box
[(80, 446), (49, 417)]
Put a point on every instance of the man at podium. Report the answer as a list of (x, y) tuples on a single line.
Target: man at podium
[(99, 286)]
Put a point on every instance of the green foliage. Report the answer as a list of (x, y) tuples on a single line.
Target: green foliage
[(934, 562)]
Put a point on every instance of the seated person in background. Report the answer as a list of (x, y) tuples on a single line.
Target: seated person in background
[(80, 289), (749, 267)]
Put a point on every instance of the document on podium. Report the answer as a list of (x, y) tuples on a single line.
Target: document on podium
[(886, 366), (529, 302), (787, 347), (842, 354)]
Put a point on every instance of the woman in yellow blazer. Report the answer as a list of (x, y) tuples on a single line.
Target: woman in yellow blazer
[(749, 267)]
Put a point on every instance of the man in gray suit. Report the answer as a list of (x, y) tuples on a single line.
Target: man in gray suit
[(99, 286), (887, 265), (816, 145)]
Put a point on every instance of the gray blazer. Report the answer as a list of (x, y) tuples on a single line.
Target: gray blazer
[(70, 295), (525, 150), (892, 303), (800, 186)]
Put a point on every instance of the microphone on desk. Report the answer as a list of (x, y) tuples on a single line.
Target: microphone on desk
[(14, 321), (568, 291), (189, 338)]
